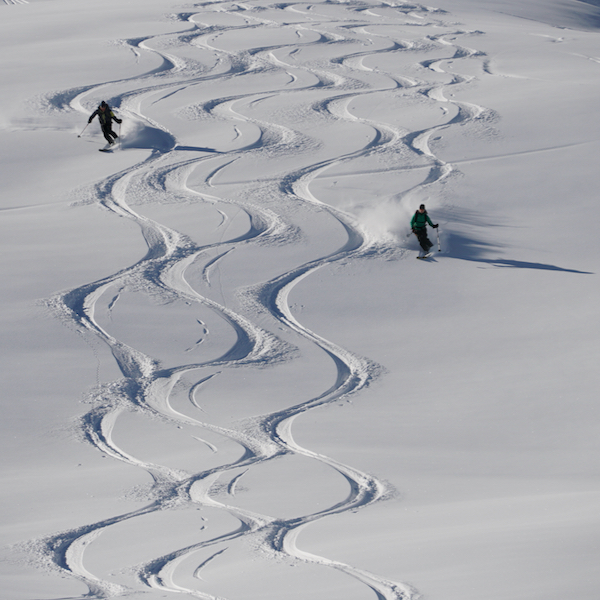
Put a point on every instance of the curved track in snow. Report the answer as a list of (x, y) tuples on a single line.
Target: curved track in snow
[(325, 67)]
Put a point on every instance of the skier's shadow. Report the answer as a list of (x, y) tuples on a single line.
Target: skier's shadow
[(472, 250), (519, 264), (195, 149)]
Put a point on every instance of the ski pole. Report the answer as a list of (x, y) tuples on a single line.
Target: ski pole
[(437, 230), (83, 130)]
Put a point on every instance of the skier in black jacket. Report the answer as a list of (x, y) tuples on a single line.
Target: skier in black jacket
[(106, 116), (418, 224)]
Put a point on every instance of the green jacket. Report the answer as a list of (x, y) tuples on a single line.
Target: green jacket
[(420, 220)]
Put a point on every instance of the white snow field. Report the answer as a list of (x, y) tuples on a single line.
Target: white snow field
[(225, 375)]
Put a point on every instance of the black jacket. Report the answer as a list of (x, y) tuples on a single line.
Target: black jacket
[(104, 116)]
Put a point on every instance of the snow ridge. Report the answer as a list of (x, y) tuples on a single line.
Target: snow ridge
[(324, 66)]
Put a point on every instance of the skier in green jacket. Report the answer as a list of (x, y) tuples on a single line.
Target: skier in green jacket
[(418, 224), (106, 116)]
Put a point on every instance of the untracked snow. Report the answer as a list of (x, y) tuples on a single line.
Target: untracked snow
[(224, 374)]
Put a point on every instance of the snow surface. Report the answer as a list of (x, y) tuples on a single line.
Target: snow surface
[(224, 373)]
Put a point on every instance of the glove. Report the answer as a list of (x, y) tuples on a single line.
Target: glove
[(436, 225), (414, 230), (119, 121), (89, 120)]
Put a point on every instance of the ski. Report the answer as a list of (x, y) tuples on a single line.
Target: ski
[(425, 256), (107, 150), (109, 147)]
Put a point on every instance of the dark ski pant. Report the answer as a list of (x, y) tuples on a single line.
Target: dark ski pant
[(423, 239), (109, 134)]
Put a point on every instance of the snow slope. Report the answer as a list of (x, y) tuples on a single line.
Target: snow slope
[(224, 374)]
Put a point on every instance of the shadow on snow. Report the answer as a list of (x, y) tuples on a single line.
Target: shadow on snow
[(474, 250)]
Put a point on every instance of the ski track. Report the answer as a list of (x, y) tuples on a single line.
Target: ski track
[(146, 386)]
